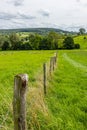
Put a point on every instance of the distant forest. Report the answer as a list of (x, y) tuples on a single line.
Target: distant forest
[(42, 39)]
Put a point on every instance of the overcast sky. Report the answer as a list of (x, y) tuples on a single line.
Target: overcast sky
[(43, 13)]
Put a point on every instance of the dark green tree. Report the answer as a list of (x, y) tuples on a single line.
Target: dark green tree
[(52, 40), (82, 31), (26, 46), (49, 42), (43, 45), (68, 43), (34, 40), (6, 45)]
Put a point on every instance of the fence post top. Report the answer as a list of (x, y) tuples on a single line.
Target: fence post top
[(44, 63), (23, 77)]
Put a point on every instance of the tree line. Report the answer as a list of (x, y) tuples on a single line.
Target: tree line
[(36, 41)]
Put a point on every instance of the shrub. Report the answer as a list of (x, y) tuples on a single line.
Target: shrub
[(77, 46), (84, 37)]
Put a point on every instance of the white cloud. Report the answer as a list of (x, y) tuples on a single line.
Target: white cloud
[(44, 13), (36, 13), (15, 2)]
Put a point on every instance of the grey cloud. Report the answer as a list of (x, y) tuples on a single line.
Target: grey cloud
[(44, 13), (6, 16), (18, 2), (9, 16), (78, 0), (15, 2), (25, 16)]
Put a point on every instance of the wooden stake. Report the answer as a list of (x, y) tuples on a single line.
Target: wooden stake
[(45, 78), (19, 101)]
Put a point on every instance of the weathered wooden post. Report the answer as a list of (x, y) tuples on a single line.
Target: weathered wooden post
[(50, 65), (44, 78), (53, 60), (19, 101), (56, 56)]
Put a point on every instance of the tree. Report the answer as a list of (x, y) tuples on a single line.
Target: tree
[(82, 30), (68, 43), (43, 45), (34, 40), (49, 42), (15, 41), (6, 45), (26, 46)]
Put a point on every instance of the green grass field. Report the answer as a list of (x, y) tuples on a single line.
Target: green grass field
[(67, 98), (64, 107), (11, 64)]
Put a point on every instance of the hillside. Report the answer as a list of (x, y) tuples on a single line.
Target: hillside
[(35, 30), (82, 40)]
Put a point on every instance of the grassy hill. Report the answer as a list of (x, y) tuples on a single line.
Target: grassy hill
[(42, 31), (82, 40)]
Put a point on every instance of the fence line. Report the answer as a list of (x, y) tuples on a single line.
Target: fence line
[(19, 98), (19, 102), (53, 61)]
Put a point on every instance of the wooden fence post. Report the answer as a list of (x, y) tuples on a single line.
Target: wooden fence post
[(53, 60), (19, 101), (44, 78), (56, 56), (50, 65)]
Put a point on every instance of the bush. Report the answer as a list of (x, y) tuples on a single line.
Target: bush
[(84, 37), (77, 46)]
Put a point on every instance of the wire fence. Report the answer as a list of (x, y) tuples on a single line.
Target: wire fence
[(35, 99)]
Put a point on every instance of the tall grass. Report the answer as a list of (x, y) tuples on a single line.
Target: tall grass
[(67, 98)]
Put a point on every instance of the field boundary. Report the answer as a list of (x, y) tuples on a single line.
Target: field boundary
[(19, 96)]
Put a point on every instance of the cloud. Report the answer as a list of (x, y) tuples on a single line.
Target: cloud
[(25, 16), (9, 16), (77, 0), (6, 16), (16, 2), (44, 13)]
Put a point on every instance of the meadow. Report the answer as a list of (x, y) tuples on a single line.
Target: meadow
[(65, 105), (11, 64)]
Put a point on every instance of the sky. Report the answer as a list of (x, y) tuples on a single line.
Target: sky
[(63, 14)]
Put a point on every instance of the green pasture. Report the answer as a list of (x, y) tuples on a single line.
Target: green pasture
[(66, 99), (11, 64)]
